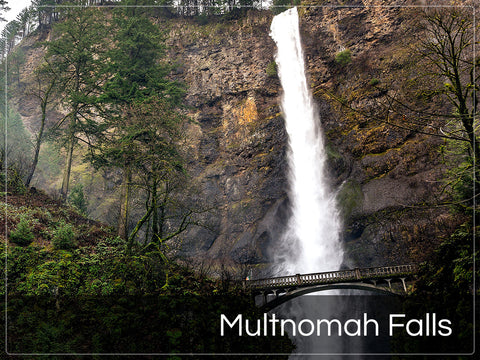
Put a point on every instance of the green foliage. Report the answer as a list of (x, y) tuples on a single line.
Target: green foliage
[(136, 69), (446, 281), (63, 236), (76, 198), (460, 177), (142, 125), (15, 182), (76, 55), (271, 69), (350, 197), (446, 284), (344, 57), (16, 59), (22, 235), (374, 82), (102, 299)]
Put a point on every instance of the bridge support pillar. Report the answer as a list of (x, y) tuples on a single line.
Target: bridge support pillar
[(404, 286), (264, 298), (357, 273), (299, 280), (374, 282), (275, 294), (389, 282)]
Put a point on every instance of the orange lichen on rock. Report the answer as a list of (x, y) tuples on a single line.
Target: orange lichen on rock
[(246, 113)]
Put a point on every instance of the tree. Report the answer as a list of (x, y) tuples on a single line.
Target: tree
[(441, 99), (75, 55), (14, 149), (15, 61), (10, 34), (3, 8), (443, 73), (438, 94), (136, 78), (159, 163), (43, 90), (46, 13), (25, 19), (449, 48)]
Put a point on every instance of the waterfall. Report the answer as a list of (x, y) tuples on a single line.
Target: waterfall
[(311, 242)]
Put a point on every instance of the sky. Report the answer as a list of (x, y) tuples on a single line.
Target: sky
[(15, 7)]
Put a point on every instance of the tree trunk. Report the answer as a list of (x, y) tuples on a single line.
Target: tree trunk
[(68, 168), (38, 143), (124, 198), (155, 211), (139, 225)]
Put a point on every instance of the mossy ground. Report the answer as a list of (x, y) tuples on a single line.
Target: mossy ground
[(95, 296)]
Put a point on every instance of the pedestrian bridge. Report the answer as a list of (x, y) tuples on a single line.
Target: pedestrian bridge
[(277, 290)]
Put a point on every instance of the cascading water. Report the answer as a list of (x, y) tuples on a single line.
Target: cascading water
[(311, 242)]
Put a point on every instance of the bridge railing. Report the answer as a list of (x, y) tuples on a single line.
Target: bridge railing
[(333, 277)]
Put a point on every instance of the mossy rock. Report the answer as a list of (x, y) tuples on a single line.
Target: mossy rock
[(350, 198)]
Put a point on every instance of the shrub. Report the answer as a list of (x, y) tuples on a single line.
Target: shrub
[(343, 57), (76, 198), (63, 236), (22, 235), (374, 82), (271, 69)]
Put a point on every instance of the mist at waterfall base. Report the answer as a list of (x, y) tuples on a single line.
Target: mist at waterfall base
[(311, 242)]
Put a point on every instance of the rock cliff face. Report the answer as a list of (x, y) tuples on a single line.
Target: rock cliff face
[(384, 175), (239, 141)]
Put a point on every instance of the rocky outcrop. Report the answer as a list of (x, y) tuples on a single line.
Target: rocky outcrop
[(386, 175), (381, 172), (239, 141)]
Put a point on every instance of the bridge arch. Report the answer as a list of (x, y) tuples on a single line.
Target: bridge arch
[(377, 279), (289, 295)]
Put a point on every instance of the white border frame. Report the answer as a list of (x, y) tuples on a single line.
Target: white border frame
[(237, 354)]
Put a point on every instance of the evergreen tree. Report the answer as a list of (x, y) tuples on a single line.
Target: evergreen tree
[(75, 55), (3, 8), (9, 35), (46, 13), (26, 20), (137, 87)]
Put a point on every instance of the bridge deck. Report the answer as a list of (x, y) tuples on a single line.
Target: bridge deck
[(332, 277)]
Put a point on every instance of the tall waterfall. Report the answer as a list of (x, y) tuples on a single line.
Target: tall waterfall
[(311, 242)]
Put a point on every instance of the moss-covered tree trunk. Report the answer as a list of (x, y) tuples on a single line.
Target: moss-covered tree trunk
[(124, 199), (68, 166), (38, 143)]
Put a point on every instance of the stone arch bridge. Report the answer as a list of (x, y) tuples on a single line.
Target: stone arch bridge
[(277, 290)]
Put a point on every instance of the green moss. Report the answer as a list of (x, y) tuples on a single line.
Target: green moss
[(271, 69), (350, 197), (343, 57), (332, 153)]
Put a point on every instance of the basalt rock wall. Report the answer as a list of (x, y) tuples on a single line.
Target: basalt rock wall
[(384, 175)]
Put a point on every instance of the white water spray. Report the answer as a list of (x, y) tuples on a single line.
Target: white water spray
[(311, 242)]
